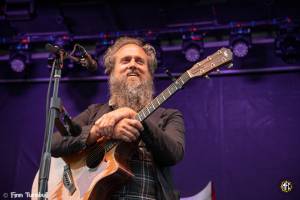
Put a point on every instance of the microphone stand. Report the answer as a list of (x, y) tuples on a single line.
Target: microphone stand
[(53, 113)]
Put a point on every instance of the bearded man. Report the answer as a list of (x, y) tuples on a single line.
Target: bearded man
[(130, 65)]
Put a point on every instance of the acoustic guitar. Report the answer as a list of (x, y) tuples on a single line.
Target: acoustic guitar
[(98, 171)]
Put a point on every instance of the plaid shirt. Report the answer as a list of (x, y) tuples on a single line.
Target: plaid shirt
[(142, 186)]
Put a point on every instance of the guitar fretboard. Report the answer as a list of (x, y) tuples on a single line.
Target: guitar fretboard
[(162, 97)]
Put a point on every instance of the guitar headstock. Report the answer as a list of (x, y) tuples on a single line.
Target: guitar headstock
[(219, 58)]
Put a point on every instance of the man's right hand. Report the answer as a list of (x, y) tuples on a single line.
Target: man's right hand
[(104, 126)]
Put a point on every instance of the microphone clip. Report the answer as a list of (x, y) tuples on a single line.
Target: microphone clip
[(68, 127)]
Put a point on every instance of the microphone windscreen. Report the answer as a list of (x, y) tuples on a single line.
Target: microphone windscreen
[(51, 48)]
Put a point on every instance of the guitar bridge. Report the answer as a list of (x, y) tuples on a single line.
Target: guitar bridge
[(68, 180)]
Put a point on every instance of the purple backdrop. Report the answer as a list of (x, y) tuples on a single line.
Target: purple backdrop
[(242, 132)]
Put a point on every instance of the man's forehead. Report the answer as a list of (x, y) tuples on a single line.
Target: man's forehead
[(131, 50)]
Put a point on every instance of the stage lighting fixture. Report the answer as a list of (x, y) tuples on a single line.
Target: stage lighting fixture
[(17, 64), (20, 56), (240, 41), (287, 43), (19, 60), (192, 47)]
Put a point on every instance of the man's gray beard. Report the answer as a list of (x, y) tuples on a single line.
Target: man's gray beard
[(135, 96)]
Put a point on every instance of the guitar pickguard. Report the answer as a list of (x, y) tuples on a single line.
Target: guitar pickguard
[(87, 175)]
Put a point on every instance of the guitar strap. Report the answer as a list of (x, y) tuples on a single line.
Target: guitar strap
[(68, 179)]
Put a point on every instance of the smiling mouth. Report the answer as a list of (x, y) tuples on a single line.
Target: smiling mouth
[(132, 74)]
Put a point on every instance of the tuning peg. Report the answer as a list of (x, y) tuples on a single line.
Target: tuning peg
[(230, 65), (207, 77)]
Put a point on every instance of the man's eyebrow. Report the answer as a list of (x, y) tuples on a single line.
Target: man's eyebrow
[(129, 57), (139, 57), (125, 57)]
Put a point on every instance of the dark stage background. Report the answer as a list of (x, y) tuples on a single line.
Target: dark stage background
[(242, 132), (242, 127)]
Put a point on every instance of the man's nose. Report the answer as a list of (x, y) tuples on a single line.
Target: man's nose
[(132, 65)]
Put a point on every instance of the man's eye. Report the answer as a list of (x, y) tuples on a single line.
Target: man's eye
[(140, 62)]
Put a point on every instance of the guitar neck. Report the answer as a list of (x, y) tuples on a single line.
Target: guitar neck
[(162, 97)]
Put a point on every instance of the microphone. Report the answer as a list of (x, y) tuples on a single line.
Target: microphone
[(54, 49), (87, 60), (57, 50)]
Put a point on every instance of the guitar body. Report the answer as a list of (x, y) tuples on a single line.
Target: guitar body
[(91, 183)]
